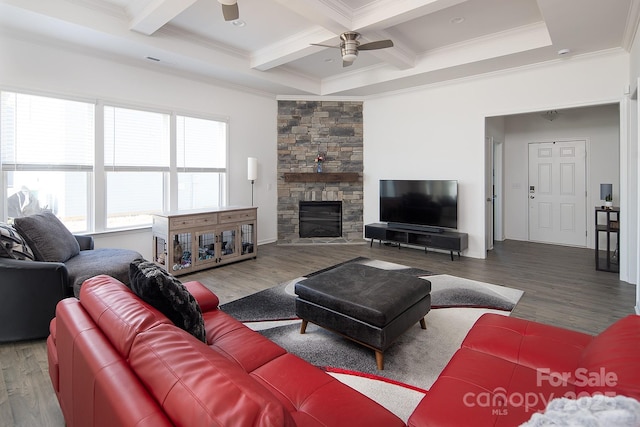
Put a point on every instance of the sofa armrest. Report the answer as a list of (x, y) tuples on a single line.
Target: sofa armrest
[(206, 299), (85, 242), (30, 291)]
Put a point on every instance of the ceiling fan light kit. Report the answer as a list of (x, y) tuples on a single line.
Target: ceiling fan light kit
[(230, 9)]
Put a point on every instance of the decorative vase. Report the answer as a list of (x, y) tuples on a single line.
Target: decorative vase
[(319, 167)]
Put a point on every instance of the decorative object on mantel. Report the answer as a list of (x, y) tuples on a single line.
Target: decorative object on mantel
[(606, 194), (252, 173), (319, 159)]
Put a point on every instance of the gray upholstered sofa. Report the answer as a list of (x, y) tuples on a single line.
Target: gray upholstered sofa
[(31, 284)]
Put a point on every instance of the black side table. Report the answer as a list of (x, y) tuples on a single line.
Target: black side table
[(607, 260)]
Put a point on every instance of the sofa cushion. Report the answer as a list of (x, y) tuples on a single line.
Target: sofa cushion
[(527, 343), (167, 294), (610, 363), (90, 263), (48, 237), (12, 245), (199, 387), (487, 389), (118, 312)]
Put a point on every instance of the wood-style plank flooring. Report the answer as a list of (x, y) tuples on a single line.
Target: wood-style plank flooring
[(561, 287)]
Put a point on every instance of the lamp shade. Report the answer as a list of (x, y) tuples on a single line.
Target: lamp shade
[(252, 168), (606, 190)]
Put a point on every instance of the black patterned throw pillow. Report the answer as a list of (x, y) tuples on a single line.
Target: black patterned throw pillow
[(12, 245), (167, 294)]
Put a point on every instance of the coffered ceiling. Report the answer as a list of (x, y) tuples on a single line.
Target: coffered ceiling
[(270, 48)]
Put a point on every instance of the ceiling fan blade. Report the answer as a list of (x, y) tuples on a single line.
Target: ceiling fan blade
[(230, 12), (380, 44)]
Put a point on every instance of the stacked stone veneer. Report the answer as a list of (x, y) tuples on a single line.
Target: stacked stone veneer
[(306, 128)]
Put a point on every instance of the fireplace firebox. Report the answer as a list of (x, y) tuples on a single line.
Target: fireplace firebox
[(320, 219)]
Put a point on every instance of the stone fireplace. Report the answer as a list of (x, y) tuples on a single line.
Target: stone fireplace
[(305, 129)]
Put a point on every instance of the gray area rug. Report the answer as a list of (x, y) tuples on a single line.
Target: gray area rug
[(415, 359), (278, 303), (412, 363)]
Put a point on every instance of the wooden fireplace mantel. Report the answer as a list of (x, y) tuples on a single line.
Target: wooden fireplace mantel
[(321, 177)]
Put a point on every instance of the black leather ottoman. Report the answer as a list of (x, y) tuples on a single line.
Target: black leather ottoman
[(365, 304)]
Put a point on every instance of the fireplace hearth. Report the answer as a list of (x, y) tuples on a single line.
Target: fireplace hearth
[(320, 219)]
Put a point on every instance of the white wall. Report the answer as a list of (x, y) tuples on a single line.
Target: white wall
[(438, 132), (634, 164), (48, 70), (598, 126)]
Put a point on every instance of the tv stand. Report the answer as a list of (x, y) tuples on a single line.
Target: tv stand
[(440, 239), (409, 227)]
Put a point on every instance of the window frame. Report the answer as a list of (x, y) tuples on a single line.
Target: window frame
[(96, 197)]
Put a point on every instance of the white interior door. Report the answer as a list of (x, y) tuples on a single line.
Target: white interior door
[(557, 192)]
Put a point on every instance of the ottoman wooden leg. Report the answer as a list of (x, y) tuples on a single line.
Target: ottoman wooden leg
[(303, 326), (380, 360), (423, 324)]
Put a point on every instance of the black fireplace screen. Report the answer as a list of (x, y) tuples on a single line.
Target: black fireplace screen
[(320, 219)]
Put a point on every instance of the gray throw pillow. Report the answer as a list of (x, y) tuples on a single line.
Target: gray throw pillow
[(47, 237), (12, 245), (168, 295)]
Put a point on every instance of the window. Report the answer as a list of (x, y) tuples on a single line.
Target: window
[(46, 152), (52, 157), (201, 162), (136, 161)]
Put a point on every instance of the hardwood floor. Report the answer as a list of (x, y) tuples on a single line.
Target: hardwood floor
[(561, 287)]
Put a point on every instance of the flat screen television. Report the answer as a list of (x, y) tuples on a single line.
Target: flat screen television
[(429, 204)]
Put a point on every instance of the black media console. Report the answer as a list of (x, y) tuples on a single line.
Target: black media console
[(447, 240)]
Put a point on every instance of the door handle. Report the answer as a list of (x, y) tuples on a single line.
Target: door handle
[(532, 197)]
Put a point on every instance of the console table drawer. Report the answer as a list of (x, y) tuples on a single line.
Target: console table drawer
[(236, 216), (177, 223), (205, 220)]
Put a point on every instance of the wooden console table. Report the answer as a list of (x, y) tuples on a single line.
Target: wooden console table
[(447, 240), (189, 241)]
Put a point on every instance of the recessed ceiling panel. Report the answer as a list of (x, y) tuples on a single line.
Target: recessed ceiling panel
[(266, 22), (465, 21)]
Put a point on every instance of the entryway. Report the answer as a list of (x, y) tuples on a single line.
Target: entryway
[(557, 192)]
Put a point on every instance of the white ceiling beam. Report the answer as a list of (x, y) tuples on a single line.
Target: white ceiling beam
[(295, 47), (156, 14)]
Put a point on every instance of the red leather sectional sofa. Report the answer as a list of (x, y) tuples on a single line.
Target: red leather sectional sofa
[(116, 361), (507, 369)]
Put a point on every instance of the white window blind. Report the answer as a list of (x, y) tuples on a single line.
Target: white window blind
[(46, 133), (201, 145), (135, 140)]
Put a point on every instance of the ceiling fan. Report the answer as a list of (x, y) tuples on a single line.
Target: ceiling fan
[(350, 46), (230, 9)]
